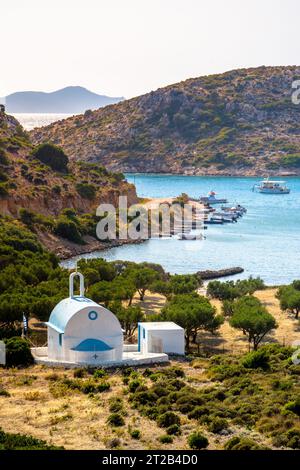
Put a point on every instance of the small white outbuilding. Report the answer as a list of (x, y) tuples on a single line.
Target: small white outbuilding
[(161, 337)]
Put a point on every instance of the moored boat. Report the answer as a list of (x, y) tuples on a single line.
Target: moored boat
[(211, 199), (190, 236), (268, 186)]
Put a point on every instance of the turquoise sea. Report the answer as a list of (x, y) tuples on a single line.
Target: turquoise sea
[(265, 242)]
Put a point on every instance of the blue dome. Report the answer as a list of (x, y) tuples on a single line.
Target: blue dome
[(65, 309)]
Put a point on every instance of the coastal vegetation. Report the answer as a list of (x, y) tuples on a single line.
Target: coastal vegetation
[(52, 156), (215, 399), (240, 402), (289, 297), (54, 197), (218, 396)]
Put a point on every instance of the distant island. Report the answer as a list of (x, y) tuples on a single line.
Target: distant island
[(70, 100), (242, 122)]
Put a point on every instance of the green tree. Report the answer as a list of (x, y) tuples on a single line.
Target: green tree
[(250, 316), (86, 190), (68, 229), (231, 290), (12, 308), (193, 313), (18, 352), (183, 283), (289, 297), (52, 156), (142, 278), (127, 316), (118, 289)]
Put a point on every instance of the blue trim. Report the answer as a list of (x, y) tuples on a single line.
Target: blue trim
[(93, 315), (92, 345), (60, 339), (144, 333), (54, 327), (139, 337)]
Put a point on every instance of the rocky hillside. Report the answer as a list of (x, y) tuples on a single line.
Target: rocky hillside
[(27, 183), (239, 122)]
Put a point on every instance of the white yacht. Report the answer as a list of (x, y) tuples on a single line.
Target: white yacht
[(268, 186)]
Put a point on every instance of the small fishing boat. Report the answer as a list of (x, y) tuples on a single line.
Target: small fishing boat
[(226, 215), (213, 221), (238, 210), (268, 186), (211, 199)]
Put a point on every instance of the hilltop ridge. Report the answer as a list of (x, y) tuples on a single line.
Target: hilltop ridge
[(69, 100), (242, 122)]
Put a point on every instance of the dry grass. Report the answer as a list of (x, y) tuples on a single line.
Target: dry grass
[(152, 303), (232, 340), (78, 421), (229, 339), (75, 421)]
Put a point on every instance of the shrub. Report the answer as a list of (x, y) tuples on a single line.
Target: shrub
[(217, 425), (18, 352), (56, 189), (135, 434), (87, 191), (3, 176), (133, 385), (99, 373), (196, 440), (293, 406), (242, 443), (79, 373), (114, 443), (3, 190), (293, 438), (168, 419), (68, 229), (256, 360), (102, 387), (3, 157), (174, 430), (10, 441), (52, 156), (165, 439), (115, 405), (198, 412), (116, 419)]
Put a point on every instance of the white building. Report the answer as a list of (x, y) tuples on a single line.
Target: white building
[(157, 337), (82, 332)]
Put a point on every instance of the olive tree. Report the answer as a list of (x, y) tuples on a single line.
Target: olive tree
[(193, 313), (250, 316)]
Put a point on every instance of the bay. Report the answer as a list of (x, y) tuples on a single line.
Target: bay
[(265, 242)]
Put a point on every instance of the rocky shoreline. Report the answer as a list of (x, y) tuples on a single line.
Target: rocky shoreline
[(65, 249), (208, 275)]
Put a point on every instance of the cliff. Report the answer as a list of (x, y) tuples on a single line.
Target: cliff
[(27, 183), (241, 122)]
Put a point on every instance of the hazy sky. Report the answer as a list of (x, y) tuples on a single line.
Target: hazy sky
[(129, 47)]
